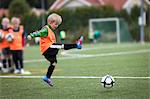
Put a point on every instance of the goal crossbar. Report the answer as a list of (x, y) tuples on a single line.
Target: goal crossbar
[(106, 20)]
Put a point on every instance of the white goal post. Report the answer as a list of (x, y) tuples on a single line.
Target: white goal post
[(91, 21)]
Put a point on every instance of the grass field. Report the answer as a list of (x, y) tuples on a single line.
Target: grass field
[(128, 63)]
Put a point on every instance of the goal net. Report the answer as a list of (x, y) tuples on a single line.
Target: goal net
[(110, 29)]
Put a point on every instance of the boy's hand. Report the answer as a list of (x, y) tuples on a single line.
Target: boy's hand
[(29, 37)]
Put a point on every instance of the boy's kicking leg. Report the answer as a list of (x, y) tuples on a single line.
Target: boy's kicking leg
[(77, 45), (51, 53)]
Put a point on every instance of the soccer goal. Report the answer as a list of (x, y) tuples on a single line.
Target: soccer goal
[(111, 29)]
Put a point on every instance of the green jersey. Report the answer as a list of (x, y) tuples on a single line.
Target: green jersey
[(41, 33)]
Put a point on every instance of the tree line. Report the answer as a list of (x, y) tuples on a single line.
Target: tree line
[(75, 21)]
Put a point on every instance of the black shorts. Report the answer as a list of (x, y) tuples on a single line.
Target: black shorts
[(6, 51), (17, 54), (50, 54)]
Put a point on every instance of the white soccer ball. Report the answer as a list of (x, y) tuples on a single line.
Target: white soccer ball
[(9, 37), (1, 36), (107, 81)]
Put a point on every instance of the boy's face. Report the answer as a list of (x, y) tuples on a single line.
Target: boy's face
[(53, 25), (16, 23), (5, 23)]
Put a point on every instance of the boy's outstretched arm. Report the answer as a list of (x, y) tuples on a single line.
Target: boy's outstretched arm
[(41, 33)]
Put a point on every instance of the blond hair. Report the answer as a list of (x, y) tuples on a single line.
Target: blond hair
[(54, 18), (4, 20), (15, 19)]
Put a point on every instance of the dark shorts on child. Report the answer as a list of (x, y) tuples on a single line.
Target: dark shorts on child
[(6, 51), (50, 54)]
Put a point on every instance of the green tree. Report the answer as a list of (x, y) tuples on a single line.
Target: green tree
[(4, 3), (133, 23), (37, 3), (19, 8), (31, 22)]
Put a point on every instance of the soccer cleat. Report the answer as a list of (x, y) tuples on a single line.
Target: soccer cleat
[(79, 43), (5, 70), (22, 71), (17, 71), (48, 81)]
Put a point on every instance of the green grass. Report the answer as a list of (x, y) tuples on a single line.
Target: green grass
[(128, 65)]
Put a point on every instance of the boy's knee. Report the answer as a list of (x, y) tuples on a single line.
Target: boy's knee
[(53, 63)]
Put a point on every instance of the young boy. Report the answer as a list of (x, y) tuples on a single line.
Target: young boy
[(5, 47), (16, 45), (48, 46), (0, 60)]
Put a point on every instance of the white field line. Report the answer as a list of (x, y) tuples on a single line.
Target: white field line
[(70, 55), (65, 53), (75, 77)]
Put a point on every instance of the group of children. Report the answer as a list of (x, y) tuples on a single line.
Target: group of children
[(11, 51), (48, 46)]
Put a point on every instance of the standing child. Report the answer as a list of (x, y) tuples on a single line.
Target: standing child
[(0, 60), (48, 46), (16, 45), (5, 46)]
